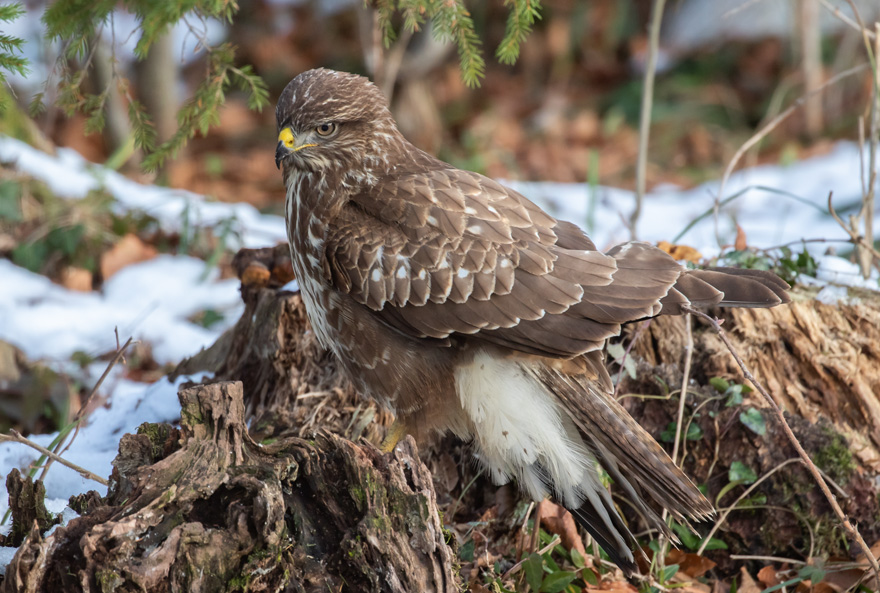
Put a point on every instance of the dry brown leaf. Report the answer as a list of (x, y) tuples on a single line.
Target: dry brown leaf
[(78, 279), (843, 580), (558, 521), (692, 587), (690, 564), (746, 583), (767, 576), (681, 252), (128, 250), (740, 243)]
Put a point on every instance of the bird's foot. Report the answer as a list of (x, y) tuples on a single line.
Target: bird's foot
[(395, 434)]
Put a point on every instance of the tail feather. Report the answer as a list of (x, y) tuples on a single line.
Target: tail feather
[(633, 459), (587, 517), (727, 287)]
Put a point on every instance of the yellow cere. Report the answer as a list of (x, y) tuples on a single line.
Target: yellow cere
[(287, 138)]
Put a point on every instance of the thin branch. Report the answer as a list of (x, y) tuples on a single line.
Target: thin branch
[(855, 238), (850, 529), (834, 10), (15, 437), (727, 510), (77, 419), (645, 116), (515, 568), (682, 398)]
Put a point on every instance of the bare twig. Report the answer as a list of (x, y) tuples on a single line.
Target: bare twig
[(768, 559), (769, 127), (834, 10), (77, 419), (727, 510), (682, 398), (515, 568), (853, 231), (850, 529), (15, 437), (645, 116)]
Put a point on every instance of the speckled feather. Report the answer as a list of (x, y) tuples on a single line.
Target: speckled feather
[(464, 307)]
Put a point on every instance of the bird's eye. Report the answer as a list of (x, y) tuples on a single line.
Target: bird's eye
[(326, 129)]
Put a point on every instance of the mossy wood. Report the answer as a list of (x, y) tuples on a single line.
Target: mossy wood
[(207, 509)]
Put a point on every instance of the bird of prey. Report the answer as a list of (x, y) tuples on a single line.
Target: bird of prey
[(462, 306)]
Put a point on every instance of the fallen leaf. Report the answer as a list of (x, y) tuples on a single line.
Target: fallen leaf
[(558, 521), (128, 250), (78, 279), (692, 565), (844, 580), (740, 243), (767, 576), (746, 583), (681, 252)]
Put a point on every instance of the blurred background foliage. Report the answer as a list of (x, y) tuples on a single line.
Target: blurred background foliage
[(517, 89)]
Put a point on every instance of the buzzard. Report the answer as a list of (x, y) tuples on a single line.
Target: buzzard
[(462, 306)]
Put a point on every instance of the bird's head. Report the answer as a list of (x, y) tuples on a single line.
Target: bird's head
[(333, 122)]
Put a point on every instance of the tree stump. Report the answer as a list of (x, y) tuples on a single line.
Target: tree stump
[(821, 363), (206, 509)]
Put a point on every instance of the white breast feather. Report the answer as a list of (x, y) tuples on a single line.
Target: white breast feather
[(522, 432)]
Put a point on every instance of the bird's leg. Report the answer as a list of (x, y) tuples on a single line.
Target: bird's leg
[(395, 433)]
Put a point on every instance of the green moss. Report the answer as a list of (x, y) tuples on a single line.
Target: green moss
[(108, 580), (835, 458), (359, 496)]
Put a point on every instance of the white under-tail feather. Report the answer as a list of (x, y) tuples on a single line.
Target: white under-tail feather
[(521, 431)]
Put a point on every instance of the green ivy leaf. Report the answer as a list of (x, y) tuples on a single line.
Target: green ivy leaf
[(668, 572), (688, 538), (754, 421), (10, 209), (577, 559), (30, 256), (720, 385), (557, 581), (714, 544), (534, 568), (467, 551), (741, 473)]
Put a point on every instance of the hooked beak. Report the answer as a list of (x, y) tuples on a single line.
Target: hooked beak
[(280, 151), (286, 145)]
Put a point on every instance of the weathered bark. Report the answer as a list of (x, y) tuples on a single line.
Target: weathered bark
[(26, 505), (817, 360), (206, 509), (822, 364), (271, 349)]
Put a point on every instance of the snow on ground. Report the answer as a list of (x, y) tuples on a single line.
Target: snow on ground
[(152, 300)]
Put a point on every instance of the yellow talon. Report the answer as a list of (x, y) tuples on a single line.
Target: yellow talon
[(395, 434)]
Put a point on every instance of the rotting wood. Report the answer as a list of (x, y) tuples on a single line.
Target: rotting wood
[(207, 509), (817, 361), (822, 364)]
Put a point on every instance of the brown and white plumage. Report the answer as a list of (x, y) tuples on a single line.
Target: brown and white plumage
[(464, 307)]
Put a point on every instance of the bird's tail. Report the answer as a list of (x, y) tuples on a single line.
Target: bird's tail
[(631, 457), (726, 287)]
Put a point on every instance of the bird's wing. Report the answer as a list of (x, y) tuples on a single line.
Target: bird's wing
[(449, 252)]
